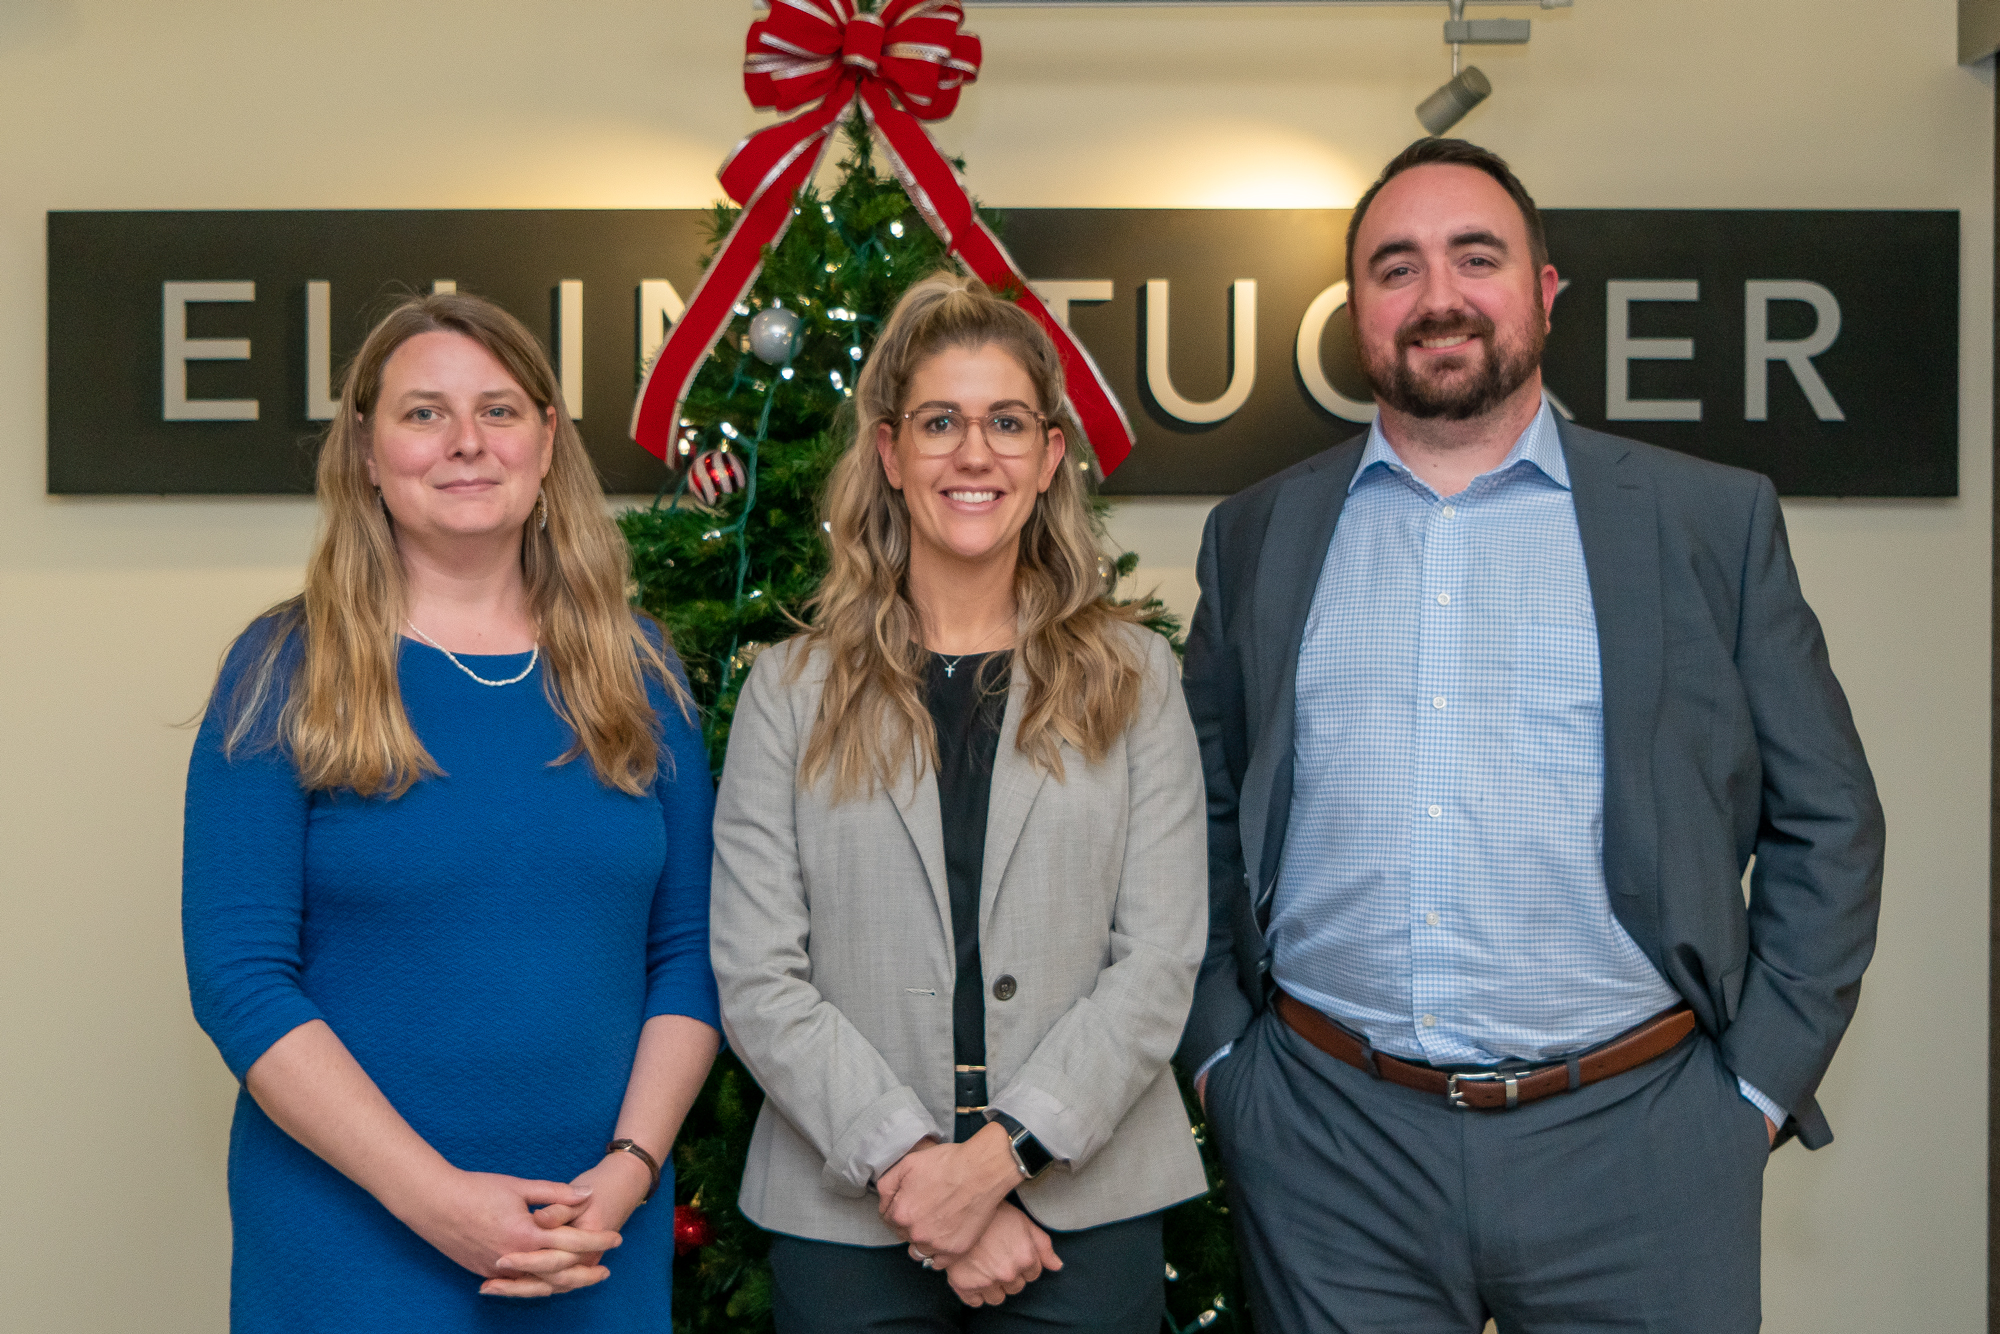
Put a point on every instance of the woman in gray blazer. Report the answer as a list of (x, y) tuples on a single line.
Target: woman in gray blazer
[(959, 894)]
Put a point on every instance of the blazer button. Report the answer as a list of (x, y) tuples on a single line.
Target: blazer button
[(1004, 987)]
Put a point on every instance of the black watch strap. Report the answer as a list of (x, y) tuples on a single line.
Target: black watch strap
[(1029, 1155)]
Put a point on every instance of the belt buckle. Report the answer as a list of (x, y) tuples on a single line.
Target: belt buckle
[(1511, 1078)]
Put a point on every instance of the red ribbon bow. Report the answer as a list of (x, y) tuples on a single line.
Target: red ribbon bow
[(904, 64)]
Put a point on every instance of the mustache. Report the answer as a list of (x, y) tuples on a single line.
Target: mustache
[(1444, 326)]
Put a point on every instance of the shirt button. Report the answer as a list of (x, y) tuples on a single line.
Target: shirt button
[(1438, 703), (1430, 919), (1449, 511), (1429, 1021), (1444, 599), (1436, 811), (1004, 987)]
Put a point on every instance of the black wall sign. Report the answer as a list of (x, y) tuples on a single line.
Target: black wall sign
[(196, 352)]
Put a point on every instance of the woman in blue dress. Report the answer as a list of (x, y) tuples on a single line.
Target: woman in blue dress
[(446, 878)]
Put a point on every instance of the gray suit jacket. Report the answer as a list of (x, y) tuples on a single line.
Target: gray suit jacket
[(1725, 735), (831, 931)]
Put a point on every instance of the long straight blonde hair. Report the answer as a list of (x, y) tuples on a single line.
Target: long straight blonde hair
[(341, 720), (1083, 668)]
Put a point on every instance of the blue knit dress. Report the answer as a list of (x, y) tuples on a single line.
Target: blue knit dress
[(487, 946)]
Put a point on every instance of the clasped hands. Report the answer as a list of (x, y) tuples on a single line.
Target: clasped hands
[(949, 1202), (492, 1225)]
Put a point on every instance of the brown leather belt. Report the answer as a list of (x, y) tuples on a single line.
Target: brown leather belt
[(1494, 1090)]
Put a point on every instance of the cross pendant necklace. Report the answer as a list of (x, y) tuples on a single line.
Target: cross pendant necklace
[(951, 664)]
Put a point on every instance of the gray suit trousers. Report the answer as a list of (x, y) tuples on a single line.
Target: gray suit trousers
[(1629, 1204)]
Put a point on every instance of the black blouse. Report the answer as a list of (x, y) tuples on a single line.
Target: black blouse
[(968, 698)]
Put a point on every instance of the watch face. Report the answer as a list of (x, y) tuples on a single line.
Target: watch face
[(1034, 1158)]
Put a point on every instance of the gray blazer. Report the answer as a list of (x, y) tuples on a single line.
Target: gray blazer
[(1725, 735), (831, 931)]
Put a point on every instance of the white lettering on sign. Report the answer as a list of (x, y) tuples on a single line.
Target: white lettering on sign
[(178, 350), (1312, 370), (569, 344), (660, 307), (1621, 349), (1058, 294), (1242, 355), (1760, 349), (321, 405)]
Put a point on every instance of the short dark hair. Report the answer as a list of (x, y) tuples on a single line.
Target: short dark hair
[(1456, 153)]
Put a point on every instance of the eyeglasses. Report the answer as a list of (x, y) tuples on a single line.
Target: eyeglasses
[(1010, 433)]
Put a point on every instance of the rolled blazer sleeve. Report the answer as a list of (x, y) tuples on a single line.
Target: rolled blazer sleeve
[(1100, 1056), (818, 1069), (1816, 887)]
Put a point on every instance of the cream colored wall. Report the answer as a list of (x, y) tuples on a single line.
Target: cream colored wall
[(113, 1108)]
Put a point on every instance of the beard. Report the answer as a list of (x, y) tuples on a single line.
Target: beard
[(1450, 391)]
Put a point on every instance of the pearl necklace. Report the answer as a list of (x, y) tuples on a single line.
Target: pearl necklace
[(533, 658)]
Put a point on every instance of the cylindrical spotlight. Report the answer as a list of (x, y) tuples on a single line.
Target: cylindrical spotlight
[(1447, 106)]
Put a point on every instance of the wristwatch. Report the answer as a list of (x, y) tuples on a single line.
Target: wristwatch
[(1029, 1155)]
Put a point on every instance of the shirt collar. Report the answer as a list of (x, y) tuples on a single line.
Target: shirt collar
[(1540, 444)]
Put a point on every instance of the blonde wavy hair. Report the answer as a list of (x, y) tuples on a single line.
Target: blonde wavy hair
[(1084, 670), (341, 720)]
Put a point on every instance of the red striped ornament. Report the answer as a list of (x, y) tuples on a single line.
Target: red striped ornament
[(716, 473), (903, 64)]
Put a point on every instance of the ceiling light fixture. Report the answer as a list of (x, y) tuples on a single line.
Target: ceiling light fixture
[(1446, 107), (1469, 86)]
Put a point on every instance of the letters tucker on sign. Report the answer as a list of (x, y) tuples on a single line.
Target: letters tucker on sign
[(198, 352)]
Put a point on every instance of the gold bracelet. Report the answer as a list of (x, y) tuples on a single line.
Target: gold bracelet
[(652, 1164)]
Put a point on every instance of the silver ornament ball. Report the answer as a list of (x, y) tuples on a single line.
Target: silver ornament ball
[(774, 334)]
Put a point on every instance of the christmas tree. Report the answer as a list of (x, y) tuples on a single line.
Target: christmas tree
[(726, 557)]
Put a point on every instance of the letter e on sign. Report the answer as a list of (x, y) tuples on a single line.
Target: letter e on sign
[(178, 350), (1621, 349)]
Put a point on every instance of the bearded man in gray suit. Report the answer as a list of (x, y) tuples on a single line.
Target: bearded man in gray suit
[(1495, 712)]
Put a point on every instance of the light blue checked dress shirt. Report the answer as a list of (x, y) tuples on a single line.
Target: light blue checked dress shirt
[(1442, 890)]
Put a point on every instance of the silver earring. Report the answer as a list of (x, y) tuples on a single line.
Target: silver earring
[(541, 509)]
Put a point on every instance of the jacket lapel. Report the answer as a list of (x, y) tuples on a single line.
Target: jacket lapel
[(915, 798), (1016, 781), (1617, 516), (1303, 518)]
